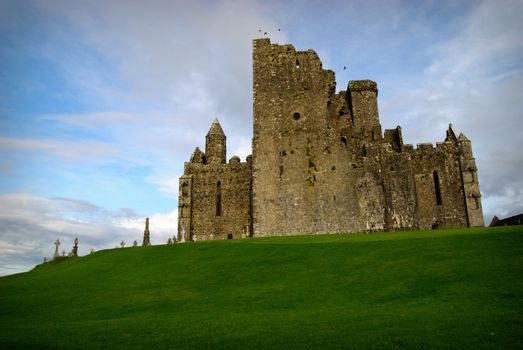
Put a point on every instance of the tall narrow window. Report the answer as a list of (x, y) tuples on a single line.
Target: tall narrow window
[(219, 199), (437, 188)]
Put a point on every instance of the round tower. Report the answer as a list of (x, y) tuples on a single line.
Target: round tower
[(215, 149)]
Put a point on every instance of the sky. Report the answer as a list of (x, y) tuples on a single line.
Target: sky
[(101, 102)]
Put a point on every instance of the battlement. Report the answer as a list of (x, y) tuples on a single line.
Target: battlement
[(425, 147), (278, 53), (320, 163), (363, 85)]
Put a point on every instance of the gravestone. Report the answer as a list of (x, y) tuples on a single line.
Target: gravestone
[(57, 244), (74, 252)]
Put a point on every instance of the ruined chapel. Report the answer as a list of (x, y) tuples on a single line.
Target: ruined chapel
[(322, 164)]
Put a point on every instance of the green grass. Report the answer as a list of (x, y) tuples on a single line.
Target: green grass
[(442, 289)]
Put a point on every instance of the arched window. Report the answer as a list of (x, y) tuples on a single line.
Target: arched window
[(437, 190), (219, 199)]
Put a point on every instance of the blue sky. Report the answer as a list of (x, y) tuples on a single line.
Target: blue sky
[(101, 102)]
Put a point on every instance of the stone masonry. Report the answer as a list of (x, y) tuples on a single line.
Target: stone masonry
[(321, 164)]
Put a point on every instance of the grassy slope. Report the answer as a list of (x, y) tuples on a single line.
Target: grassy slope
[(434, 289)]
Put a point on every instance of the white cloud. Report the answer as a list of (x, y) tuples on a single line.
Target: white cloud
[(31, 224), (242, 148), (190, 57), (67, 150), (489, 42), (161, 226), (474, 81), (94, 121), (168, 185)]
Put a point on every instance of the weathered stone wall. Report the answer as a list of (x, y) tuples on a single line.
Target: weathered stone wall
[(322, 164), (215, 197)]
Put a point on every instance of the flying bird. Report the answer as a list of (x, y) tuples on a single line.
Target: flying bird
[(278, 29), (265, 33), (344, 67)]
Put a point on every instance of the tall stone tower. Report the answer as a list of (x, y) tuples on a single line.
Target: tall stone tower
[(363, 104), (321, 163), (146, 234), (308, 147)]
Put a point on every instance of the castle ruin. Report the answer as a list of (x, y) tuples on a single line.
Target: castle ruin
[(321, 164)]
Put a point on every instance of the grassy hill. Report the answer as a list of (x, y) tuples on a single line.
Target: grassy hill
[(442, 289)]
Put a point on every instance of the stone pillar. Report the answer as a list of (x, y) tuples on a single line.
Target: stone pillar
[(146, 234), (184, 208)]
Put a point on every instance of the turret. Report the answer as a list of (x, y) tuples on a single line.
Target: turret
[(198, 156), (362, 96), (215, 148), (465, 146), (470, 182)]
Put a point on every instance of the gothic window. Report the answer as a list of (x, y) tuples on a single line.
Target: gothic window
[(219, 199), (437, 190)]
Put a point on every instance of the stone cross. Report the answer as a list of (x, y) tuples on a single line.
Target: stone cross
[(122, 244), (135, 244), (57, 244), (75, 248)]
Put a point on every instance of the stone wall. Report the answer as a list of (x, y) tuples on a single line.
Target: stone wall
[(322, 164), (215, 197)]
